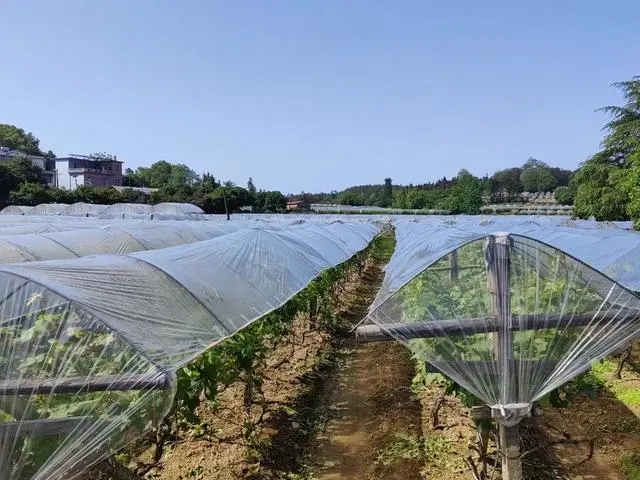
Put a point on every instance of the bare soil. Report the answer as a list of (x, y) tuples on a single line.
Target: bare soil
[(293, 405), (372, 406)]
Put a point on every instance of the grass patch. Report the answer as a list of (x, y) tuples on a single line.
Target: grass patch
[(628, 424), (630, 465), (603, 373), (434, 451)]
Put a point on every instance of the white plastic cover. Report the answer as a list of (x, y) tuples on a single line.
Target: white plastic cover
[(48, 209), (82, 209), (15, 210), (509, 311), (120, 208), (89, 346), (172, 208)]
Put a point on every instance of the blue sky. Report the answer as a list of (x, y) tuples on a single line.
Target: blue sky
[(315, 95)]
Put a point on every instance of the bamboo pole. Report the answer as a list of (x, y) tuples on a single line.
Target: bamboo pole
[(497, 252), (32, 386), (475, 326)]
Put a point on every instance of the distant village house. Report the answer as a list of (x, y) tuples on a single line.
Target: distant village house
[(76, 170), (299, 206)]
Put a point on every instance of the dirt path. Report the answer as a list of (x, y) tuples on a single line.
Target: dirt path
[(372, 406)]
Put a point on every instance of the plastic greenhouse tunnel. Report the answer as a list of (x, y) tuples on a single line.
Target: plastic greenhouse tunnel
[(90, 346), (116, 238), (507, 316)]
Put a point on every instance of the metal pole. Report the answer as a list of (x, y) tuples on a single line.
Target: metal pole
[(453, 262), (224, 196), (497, 251)]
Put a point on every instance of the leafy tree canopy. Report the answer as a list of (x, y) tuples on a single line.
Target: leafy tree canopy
[(607, 183), (16, 138), (466, 194), (536, 176), (564, 195)]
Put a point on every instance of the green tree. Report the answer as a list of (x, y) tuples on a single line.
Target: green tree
[(400, 198), (251, 187), (563, 176), (534, 163), (536, 176), (387, 194), (160, 174), (8, 182), (98, 195), (235, 197), (506, 185), (563, 195), (466, 194), (208, 183), (30, 194), (25, 170), (349, 197), (415, 199), (607, 183), (130, 179), (61, 195), (17, 139), (275, 201), (261, 196), (129, 195), (182, 177)]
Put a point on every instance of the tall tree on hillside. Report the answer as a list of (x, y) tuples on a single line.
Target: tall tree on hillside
[(208, 183), (387, 193), (130, 179), (159, 174), (251, 187), (607, 183), (562, 176), (182, 176), (536, 176), (505, 185), (16, 138), (466, 194)]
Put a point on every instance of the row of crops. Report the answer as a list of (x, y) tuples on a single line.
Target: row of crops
[(509, 310), (109, 326), (95, 339)]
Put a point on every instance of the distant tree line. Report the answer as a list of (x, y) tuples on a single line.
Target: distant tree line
[(605, 187), (23, 183), (463, 193)]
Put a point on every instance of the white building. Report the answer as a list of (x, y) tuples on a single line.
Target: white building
[(76, 170)]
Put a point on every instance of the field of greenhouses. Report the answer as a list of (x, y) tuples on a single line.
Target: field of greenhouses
[(170, 344)]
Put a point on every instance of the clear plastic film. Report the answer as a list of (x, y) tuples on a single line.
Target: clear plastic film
[(15, 210), (84, 209), (125, 237), (89, 346), (92, 209), (507, 317)]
